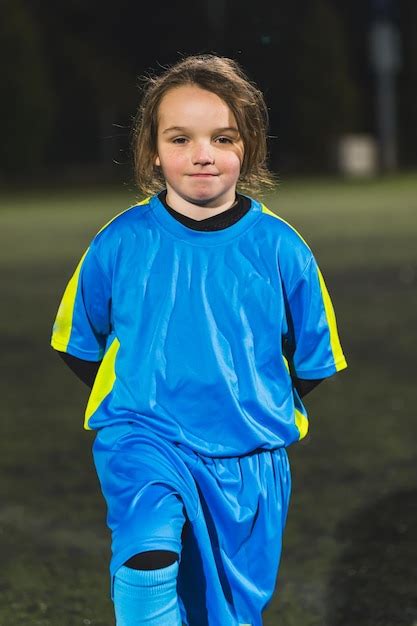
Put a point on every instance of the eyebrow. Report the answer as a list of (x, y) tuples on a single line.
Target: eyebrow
[(216, 130)]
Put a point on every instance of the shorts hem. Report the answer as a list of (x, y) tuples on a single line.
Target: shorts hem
[(146, 546)]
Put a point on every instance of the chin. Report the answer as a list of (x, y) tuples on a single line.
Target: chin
[(201, 199)]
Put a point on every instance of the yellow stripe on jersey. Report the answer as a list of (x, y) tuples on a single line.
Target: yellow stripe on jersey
[(338, 356), (142, 202), (63, 322), (106, 374), (269, 212), (302, 423), (104, 381), (300, 419)]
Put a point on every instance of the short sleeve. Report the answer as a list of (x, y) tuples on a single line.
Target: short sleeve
[(83, 321), (313, 344)]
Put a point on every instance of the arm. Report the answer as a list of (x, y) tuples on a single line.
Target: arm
[(312, 345), (83, 320), (85, 370)]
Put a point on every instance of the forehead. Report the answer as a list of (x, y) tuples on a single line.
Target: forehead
[(191, 106)]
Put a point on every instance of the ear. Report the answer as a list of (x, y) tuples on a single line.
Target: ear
[(157, 161)]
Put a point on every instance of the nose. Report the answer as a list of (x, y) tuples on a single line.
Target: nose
[(202, 154)]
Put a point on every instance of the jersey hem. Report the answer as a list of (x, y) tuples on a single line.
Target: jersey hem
[(324, 372), (82, 354)]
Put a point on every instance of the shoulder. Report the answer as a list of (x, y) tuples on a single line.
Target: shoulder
[(281, 227), (293, 253), (123, 221), (123, 227), (116, 234), (287, 239)]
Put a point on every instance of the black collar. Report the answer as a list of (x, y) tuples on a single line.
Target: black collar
[(214, 222)]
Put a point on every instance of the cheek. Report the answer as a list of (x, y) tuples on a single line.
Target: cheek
[(172, 160), (233, 163), (235, 158)]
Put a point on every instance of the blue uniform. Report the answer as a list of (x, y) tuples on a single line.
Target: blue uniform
[(200, 334)]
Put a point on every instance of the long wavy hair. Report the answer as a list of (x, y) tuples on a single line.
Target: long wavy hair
[(225, 78)]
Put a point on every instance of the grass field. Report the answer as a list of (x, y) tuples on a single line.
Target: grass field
[(350, 549)]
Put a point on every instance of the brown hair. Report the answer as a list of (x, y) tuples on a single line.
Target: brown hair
[(226, 79)]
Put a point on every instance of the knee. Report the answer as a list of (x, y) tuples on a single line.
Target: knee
[(154, 559)]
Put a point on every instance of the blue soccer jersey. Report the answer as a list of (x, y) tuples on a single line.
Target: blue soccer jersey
[(200, 333)]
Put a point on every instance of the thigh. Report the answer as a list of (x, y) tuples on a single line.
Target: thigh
[(145, 510), (244, 504)]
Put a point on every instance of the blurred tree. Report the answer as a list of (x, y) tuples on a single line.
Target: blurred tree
[(297, 53), (407, 83), (357, 17), (96, 52), (93, 81), (27, 105), (322, 102), (70, 73)]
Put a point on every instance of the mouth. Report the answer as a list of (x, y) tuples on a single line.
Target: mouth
[(203, 175)]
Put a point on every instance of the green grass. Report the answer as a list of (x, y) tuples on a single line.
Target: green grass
[(349, 549)]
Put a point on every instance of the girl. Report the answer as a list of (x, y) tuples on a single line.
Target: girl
[(201, 318)]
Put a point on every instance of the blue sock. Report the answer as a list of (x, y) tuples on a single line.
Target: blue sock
[(146, 597)]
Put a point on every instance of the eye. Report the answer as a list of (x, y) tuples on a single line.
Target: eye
[(179, 140), (224, 139)]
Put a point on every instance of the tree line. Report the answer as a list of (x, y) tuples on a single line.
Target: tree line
[(70, 74)]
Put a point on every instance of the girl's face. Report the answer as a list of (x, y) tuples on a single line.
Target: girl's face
[(199, 147)]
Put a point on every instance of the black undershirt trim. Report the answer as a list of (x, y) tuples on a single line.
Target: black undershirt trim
[(87, 372), (214, 222)]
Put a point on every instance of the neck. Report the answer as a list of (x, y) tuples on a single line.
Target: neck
[(199, 211)]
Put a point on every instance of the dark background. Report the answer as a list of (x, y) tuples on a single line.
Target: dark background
[(70, 75)]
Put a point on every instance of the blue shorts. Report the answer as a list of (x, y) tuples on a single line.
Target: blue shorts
[(223, 516)]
